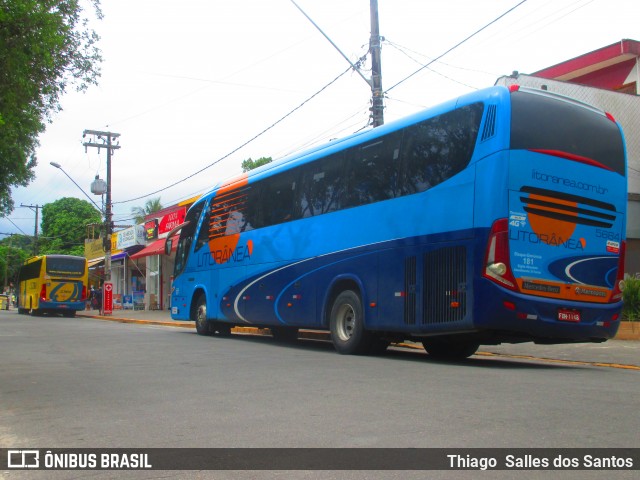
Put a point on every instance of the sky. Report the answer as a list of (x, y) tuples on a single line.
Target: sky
[(189, 84)]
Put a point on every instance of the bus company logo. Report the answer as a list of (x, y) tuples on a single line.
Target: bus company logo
[(568, 182), (552, 219), (238, 254), (590, 292), (23, 459), (548, 238), (65, 291), (226, 249)]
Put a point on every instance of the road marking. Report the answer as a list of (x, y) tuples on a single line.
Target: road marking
[(565, 362)]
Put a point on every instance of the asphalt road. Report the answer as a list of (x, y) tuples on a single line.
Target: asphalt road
[(86, 383)]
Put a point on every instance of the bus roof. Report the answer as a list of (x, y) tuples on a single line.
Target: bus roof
[(339, 144)]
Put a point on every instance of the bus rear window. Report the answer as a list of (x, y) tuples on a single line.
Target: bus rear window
[(65, 266), (543, 122)]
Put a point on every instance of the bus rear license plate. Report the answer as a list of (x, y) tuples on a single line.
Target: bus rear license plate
[(569, 315)]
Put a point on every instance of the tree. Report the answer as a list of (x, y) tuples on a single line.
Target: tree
[(249, 164), (45, 46), (64, 225), (152, 206), (11, 259)]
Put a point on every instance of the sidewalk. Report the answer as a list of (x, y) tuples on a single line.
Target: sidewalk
[(620, 353)]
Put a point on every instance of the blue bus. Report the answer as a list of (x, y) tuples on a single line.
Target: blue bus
[(495, 217)]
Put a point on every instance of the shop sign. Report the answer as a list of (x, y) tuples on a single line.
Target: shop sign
[(114, 245), (151, 229), (130, 237), (93, 249), (172, 220)]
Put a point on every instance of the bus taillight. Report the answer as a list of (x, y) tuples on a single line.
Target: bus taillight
[(616, 293), (497, 266), (43, 293), (84, 293)]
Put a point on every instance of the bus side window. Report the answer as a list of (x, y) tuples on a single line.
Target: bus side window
[(203, 233), (323, 186), (254, 217), (374, 171), (440, 147), (279, 197)]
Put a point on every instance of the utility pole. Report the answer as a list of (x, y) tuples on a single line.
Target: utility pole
[(375, 82), (377, 104), (35, 231), (98, 139)]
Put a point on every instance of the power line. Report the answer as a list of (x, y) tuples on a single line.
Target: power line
[(456, 46), (241, 146)]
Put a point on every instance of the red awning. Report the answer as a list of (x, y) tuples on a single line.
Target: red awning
[(155, 248)]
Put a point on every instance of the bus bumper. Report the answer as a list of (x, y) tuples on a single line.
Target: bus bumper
[(75, 306), (544, 320)]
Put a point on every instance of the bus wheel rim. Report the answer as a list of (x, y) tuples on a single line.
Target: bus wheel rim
[(201, 316), (345, 322)]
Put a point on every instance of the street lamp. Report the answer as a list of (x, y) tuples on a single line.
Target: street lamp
[(58, 166), (109, 141)]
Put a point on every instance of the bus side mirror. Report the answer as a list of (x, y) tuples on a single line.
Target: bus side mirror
[(167, 246)]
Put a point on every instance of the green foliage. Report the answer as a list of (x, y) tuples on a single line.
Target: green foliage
[(250, 164), (152, 206), (11, 258), (631, 299), (64, 225), (44, 47)]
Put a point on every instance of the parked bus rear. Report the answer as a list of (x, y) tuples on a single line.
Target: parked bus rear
[(53, 284), (554, 258)]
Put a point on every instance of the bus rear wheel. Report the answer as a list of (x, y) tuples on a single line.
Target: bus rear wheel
[(444, 348), (346, 324)]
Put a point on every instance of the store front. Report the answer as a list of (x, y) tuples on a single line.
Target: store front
[(127, 276), (159, 267)]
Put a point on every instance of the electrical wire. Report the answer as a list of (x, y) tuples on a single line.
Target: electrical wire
[(455, 46), (281, 119)]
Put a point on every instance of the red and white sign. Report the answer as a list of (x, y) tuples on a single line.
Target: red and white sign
[(171, 220), (107, 300)]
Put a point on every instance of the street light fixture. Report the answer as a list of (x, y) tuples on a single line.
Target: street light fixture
[(58, 166)]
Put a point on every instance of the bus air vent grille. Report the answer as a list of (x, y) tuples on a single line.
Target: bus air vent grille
[(410, 276), (489, 129), (445, 278)]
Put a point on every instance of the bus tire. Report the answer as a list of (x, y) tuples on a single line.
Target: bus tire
[(203, 326), (346, 324), (449, 348)]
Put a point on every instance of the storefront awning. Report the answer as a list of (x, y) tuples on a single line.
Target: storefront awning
[(155, 248), (95, 262)]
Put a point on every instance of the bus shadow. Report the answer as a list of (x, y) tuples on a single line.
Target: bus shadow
[(399, 354)]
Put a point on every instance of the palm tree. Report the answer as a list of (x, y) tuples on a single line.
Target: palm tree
[(153, 205)]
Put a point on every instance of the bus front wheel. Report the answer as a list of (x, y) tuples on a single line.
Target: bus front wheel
[(203, 327), (346, 323)]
